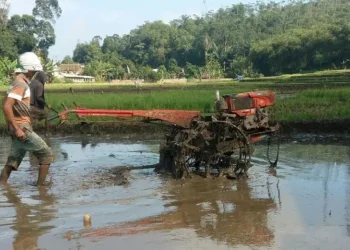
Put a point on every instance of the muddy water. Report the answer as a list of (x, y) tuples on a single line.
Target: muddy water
[(305, 204)]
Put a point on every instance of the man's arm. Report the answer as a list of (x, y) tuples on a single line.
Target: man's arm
[(15, 93), (10, 118), (3, 105), (38, 92)]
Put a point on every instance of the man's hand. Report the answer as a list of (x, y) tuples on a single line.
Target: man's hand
[(48, 106), (20, 134)]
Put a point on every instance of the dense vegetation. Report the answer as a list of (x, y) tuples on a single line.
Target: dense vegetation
[(272, 38), (24, 33)]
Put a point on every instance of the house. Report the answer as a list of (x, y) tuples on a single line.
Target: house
[(75, 68), (70, 72), (73, 72), (78, 78)]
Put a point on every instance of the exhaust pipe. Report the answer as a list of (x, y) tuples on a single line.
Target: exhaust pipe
[(217, 95)]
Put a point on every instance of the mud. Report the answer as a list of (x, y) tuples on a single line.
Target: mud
[(144, 129), (304, 204), (339, 126), (105, 129)]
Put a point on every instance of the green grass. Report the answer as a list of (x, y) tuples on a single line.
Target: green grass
[(326, 76), (319, 104), (167, 99), (305, 105), (95, 86)]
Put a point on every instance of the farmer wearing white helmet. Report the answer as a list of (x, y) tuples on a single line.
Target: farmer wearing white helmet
[(16, 108)]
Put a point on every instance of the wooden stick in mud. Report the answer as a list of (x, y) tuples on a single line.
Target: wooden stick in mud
[(136, 167)]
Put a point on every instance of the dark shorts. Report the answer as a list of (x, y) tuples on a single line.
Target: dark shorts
[(33, 144), (38, 114)]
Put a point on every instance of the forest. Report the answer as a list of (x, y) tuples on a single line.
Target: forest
[(260, 39), (22, 33), (252, 40)]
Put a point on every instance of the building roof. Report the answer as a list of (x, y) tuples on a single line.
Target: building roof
[(75, 67), (76, 76)]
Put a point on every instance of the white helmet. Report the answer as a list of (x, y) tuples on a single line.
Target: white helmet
[(28, 61)]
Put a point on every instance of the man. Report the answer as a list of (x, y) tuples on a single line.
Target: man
[(16, 108), (37, 98)]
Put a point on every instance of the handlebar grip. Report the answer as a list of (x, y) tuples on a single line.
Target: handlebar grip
[(64, 106), (53, 117)]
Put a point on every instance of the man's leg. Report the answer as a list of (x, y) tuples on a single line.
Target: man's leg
[(46, 126), (43, 171), (42, 151), (5, 173), (44, 116), (15, 158)]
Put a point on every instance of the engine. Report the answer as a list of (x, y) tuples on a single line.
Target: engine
[(248, 110), (221, 144)]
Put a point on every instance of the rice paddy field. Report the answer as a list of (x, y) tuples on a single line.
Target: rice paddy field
[(305, 97)]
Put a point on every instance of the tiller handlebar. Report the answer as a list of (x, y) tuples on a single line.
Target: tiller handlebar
[(181, 118)]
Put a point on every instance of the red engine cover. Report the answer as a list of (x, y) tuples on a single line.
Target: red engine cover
[(245, 104)]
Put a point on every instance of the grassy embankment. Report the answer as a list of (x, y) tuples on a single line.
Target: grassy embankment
[(328, 98)]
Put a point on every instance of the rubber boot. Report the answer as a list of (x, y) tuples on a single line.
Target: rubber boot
[(43, 171), (5, 173)]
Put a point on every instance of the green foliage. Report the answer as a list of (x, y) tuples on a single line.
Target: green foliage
[(34, 32), (67, 60), (174, 70), (149, 75), (87, 52), (163, 72), (269, 38), (4, 11), (47, 10), (102, 71), (192, 71), (56, 80), (241, 66), (7, 68), (8, 43), (299, 50), (212, 70), (68, 80), (49, 67)]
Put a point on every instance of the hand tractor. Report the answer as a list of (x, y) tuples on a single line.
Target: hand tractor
[(219, 144)]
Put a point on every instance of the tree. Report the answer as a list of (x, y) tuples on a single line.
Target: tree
[(49, 67), (7, 67), (8, 44), (100, 70), (48, 10), (23, 28), (111, 44), (32, 34), (87, 52), (67, 60), (270, 38), (28, 33), (192, 71), (4, 10)]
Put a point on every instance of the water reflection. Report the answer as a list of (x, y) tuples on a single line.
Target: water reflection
[(224, 211), (30, 219), (311, 180)]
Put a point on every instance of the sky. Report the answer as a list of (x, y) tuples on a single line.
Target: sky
[(81, 20)]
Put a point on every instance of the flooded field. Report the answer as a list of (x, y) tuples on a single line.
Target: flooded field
[(305, 204)]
